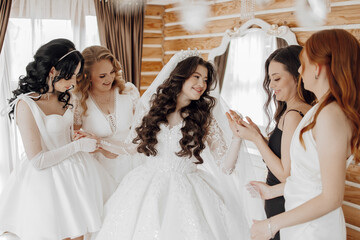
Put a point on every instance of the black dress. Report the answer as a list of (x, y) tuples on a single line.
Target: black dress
[(276, 205)]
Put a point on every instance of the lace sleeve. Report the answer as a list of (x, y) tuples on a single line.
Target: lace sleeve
[(133, 92), (77, 112), (140, 112), (225, 156)]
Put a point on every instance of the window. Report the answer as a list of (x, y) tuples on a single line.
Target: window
[(244, 75), (24, 36), (31, 26)]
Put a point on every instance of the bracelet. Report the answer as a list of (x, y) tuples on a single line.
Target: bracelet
[(236, 139), (105, 143), (270, 228)]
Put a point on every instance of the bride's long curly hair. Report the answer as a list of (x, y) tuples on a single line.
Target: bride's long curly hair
[(196, 115)]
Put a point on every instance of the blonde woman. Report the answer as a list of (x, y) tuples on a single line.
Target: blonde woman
[(105, 108)]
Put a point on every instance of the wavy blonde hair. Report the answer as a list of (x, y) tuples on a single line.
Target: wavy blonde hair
[(339, 52), (92, 55)]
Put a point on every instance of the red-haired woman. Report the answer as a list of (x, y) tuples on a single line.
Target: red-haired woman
[(326, 140)]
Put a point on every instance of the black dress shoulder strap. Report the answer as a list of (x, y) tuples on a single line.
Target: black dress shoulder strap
[(292, 110)]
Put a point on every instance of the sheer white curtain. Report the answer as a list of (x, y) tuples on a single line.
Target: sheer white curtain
[(32, 23), (242, 87)]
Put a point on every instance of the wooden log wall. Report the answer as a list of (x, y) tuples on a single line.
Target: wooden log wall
[(164, 36), (152, 59)]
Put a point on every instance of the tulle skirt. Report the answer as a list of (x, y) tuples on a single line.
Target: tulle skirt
[(62, 201), (165, 204)]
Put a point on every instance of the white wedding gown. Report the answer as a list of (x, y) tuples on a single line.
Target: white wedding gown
[(169, 198), (65, 200), (304, 184), (115, 126)]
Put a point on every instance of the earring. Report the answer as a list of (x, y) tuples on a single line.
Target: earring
[(316, 76), (50, 80)]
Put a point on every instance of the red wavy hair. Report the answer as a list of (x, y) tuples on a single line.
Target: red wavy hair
[(339, 52)]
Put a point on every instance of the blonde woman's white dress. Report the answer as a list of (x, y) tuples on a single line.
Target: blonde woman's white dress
[(115, 126), (64, 200), (304, 184)]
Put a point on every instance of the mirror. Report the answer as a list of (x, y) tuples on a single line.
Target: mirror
[(240, 61)]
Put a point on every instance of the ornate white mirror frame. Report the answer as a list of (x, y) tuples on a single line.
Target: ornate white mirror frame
[(243, 104), (283, 32)]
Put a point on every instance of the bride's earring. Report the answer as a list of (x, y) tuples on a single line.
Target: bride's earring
[(50, 83)]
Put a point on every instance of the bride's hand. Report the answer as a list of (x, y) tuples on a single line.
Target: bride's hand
[(262, 189), (249, 131), (108, 154), (233, 117), (81, 134), (78, 134)]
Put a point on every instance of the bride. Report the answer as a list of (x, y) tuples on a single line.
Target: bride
[(169, 196)]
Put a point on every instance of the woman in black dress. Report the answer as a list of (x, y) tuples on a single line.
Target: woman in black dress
[(291, 103)]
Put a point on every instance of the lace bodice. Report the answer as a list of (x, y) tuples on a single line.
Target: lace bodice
[(168, 145), (115, 125)]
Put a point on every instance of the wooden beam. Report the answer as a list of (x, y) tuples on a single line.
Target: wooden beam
[(147, 80), (152, 52), (352, 194), (352, 215), (151, 66), (218, 26), (199, 43), (153, 24), (353, 174), (152, 40), (234, 8), (352, 234), (304, 35), (152, 35), (154, 10)]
